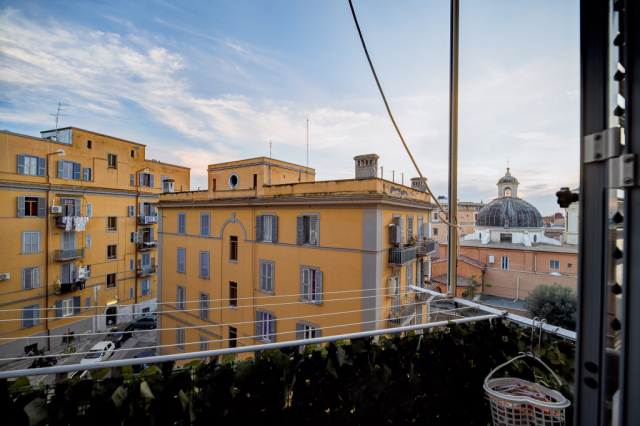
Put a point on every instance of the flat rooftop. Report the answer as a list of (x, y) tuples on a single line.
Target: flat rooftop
[(564, 248)]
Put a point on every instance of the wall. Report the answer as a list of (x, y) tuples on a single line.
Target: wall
[(504, 283)]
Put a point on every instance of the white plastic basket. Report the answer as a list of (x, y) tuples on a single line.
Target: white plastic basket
[(514, 410)]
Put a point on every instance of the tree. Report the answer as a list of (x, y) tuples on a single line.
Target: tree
[(472, 289), (555, 303)]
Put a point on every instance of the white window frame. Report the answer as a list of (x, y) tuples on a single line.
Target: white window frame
[(67, 307), (268, 285), (311, 296), (504, 263), (31, 243), (90, 173), (308, 330), (553, 263), (265, 319), (31, 158), (34, 273)]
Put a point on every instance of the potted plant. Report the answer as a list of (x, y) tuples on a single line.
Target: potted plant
[(413, 240)]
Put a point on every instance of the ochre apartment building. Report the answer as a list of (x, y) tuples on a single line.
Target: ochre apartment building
[(268, 254), (79, 234)]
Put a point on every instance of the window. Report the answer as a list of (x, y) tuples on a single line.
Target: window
[(435, 231), (409, 274), (310, 285), (132, 180), (30, 315), (111, 280), (68, 273), (505, 238), (88, 241), (182, 223), (67, 307), (306, 330), (69, 170), (89, 144), (89, 210), (266, 276), (112, 223), (204, 306), (146, 180), (30, 278), (203, 344), (182, 254), (112, 251), (32, 207), (31, 165), (265, 326), (133, 237), (233, 249), (131, 264), (570, 265), (233, 295), (554, 264), (204, 224), (87, 303), (145, 287), (435, 216), (130, 292), (255, 181), (71, 207), (112, 161), (233, 335), (87, 174), (87, 271), (307, 231), (409, 227), (181, 297), (204, 264), (505, 262), (30, 242), (179, 338), (267, 228), (163, 177), (131, 211), (213, 185), (132, 153), (234, 180)]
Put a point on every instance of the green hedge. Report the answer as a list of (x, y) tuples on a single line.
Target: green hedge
[(432, 379)]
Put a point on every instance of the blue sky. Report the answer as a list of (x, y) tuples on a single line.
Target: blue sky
[(202, 82)]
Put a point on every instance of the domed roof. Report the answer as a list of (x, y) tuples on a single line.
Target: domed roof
[(509, 212), (508, 178)]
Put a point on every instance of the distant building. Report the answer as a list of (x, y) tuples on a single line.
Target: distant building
[(467, 215), (573, 222)]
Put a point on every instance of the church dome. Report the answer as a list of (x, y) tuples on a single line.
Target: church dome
[(509, 212)]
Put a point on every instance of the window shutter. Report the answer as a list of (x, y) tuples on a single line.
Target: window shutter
[(141, 177), (61, 169), (20, 206), (132, 180), (151, 234), (299, 230), (26, 279), (42, 207), (42, 166), (76, 305), (77, 172), (313, 230), (263, 276), (318, 299), (72, 269), (272, 328), (77, 207), (21, 170), (409, 226), (139, 263), (299, 331), (152, 210), (274, 229), (65, 273), (36, 278), (87, 303), (151, 181), (59, 308), (35, 241), (89, 209), (270, 277), (142, 209), (258, 228), (420, 228), (258, 324), (304, 290), (27, 314), (402, 240), (88, 242), (86, 173), (131, 211)]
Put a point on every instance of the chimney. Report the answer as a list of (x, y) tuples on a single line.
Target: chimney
[(167, 185), (366, 166), (418, 184)]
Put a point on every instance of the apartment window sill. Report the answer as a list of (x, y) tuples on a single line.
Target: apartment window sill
[(271, 293), (233, 261), (235, 308)]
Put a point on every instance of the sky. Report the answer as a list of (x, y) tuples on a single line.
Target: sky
[(204, 82)]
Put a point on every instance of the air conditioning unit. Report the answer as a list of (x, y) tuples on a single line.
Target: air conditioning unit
[(56, 209), (395, 236), (80, 273), (492, 259), (392, 286), (4, 277)]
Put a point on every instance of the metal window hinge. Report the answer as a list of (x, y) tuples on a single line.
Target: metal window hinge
[(602, 146), (622, 171)]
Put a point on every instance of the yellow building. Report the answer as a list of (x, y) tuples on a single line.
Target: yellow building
[(268, 254), (79, 233)]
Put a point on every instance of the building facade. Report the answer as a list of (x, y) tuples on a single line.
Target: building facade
[(268, 254), (80, 234), (467, 216)]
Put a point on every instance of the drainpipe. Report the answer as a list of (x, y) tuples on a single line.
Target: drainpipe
[(517, 290), (535, 261)]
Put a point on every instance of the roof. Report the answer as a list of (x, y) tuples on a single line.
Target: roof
[(509, 212), (436, 252), (461, 282), (247, 162), (551, 248), (465, 259), (505, 302), (508, 178), (89, 131)]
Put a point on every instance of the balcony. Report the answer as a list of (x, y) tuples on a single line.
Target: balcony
[(62, 255), (65, 288), (147, 245), (146, 271), (60, 221), (402, 311), (146, 220), (427, 247), (401, 256)]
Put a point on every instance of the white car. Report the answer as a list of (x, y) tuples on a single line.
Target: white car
[(100, 352)]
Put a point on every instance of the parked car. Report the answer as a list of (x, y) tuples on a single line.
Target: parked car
[(119, 333), (99, 352), (49, 361), (147, 321)]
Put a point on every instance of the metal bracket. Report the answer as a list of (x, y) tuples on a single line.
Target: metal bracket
[(622, 173), (602, 146)]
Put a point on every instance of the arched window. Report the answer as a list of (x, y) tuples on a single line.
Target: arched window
[(507, 192)]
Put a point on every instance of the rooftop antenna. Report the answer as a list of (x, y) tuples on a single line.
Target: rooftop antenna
[(269, 149), (57, 116), (307, 149)]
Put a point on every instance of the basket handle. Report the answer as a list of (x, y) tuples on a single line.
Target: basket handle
[(523, 356)]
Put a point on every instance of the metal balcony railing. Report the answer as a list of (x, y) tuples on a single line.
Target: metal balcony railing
[(61, 255), (400, 256), (147, 270), (402, 311), (147, 245), (145, 220), (427, 247)]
